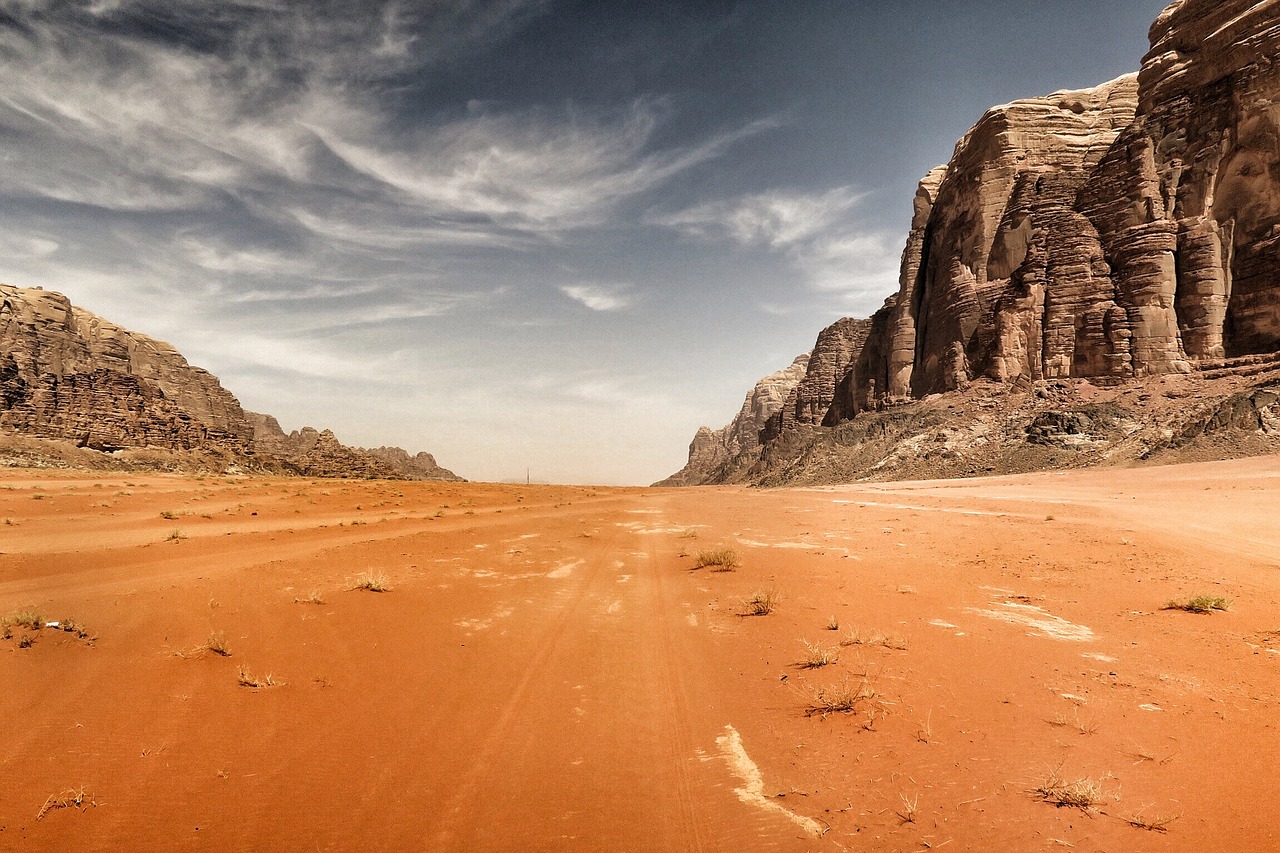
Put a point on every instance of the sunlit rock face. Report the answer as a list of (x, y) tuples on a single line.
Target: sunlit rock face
[(70, 375), (1111, 234), (712, 453)]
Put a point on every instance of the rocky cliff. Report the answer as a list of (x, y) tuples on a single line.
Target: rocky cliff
[(1096, 239), (318, 453), (77, 390), (720, 455)]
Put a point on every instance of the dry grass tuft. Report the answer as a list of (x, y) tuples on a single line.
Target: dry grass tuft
[(1159, 823), (910, 808), (833, 623), (314, 597), (760, 603), (71, 798), (248, 679), (1080, 793), (717, 559), (23, 619), (217, 643), (688, 533), (372, 581), (176, 535), (1200, 604), (816, 657), (841, 698), (855, 637)]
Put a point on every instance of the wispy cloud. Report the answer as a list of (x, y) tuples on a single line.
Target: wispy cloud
[(600, 297), (822, 233)]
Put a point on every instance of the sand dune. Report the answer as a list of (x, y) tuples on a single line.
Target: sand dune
[(545, 671)]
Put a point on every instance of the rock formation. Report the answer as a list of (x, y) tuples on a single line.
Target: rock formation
[(1106, 236), (72, 384), (318, 453), (715, 455)]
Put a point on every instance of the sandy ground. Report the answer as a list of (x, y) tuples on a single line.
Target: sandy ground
[(548, 672)]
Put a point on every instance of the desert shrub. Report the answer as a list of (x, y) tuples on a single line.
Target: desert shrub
[(1200, 604), (718, 559)]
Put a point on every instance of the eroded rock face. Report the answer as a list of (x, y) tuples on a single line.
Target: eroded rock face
[(70, 375), (77, 380), (830, 362), (319, 453), (1111, 234), (737, 445)]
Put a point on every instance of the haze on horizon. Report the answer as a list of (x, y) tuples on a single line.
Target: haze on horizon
[(519, 234)]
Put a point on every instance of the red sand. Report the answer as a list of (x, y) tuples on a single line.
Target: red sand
[(547, 672)]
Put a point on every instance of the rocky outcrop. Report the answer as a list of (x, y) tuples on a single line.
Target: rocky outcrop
[(70, 375), (715, 454), (318, 453), (73, 385), (1104, 236), (832, 359)]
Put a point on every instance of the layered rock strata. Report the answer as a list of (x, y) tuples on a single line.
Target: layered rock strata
[(1105, 236), (82, 384)]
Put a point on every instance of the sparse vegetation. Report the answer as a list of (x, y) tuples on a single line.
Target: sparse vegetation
[(760, 603), (1200, 604), (844, 697), (217, 643), (833, 623), (1080, 793), (248, 679), (910, 808), (372, 581), (1159, 823), (855, 637), (23, 619), (26, 641), (176, 535), (314, 597), (688, 533), (717, 559), (816, 657), (168, 514), (71, 798)]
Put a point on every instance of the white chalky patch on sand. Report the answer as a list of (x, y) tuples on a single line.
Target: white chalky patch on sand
[(938, 623), (563, 571), (1038, 620), (815, 546), (624, 579), (615, 607), (483, 624), (644, 512), (1098, 656), (752, 790), (692, 619)]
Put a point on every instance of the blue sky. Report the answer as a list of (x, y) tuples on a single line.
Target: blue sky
[(515, 233)]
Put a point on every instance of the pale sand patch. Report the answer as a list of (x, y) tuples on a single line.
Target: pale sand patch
[(810, 546), (1039, 620), (565, 569), (752, 790)]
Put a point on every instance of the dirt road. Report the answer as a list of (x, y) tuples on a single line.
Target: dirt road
[(546, 669)]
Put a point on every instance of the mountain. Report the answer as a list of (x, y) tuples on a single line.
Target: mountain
[(77, 390), (1093, 278)]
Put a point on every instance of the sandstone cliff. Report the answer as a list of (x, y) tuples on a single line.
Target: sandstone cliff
[(714, 456), (318, 453), (1101, 238), (79, 391)]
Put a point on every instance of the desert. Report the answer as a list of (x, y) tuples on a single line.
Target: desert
[(546, 668)]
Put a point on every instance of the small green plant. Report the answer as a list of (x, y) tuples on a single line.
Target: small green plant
[(844, 697), (372, 581), (760, 603), (1200, 604), (816, 657), (718, 559)]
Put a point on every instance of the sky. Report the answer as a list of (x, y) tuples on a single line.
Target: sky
[(544, 235)]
